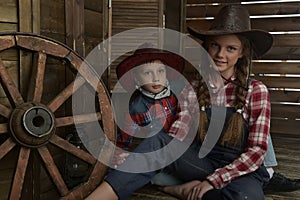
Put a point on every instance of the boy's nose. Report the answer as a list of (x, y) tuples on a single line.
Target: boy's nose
[(155, 77)]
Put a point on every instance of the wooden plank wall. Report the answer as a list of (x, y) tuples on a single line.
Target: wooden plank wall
[(279, 69), (79, 25), (9, 22)]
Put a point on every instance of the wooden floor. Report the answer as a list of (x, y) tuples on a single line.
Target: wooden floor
[(288, 156)]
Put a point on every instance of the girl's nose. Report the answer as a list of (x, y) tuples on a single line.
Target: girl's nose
[(221, 52)]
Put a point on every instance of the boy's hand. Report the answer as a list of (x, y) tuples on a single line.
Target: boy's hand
[(119, 158)]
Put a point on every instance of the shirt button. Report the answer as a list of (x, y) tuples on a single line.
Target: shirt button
[(166, 108)]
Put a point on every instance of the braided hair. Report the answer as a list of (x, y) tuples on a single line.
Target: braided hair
[(232, 132)]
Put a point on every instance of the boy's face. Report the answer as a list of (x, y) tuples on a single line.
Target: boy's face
[(151, 76)]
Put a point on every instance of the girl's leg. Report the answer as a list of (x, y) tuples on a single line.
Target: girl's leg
[(191, 170), (244, 187)]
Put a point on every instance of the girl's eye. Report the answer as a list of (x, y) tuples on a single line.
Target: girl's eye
[(147, 73), (231, 49), (214, 45)]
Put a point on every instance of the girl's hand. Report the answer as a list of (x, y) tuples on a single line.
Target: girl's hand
[(199, 190)]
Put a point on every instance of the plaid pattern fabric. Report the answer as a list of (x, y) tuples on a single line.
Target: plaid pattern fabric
[(189, 108), (256, 112), (144, 111)]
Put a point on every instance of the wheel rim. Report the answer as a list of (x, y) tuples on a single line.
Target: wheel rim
[(31, 124)]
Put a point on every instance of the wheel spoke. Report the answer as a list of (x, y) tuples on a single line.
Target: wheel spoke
[(19, 177), (4, 111), (9, 86), (6, 147), (65, 145), (3, 128), (85, 70), (35, 90), (79, 119), (53, 170), (65, 94)]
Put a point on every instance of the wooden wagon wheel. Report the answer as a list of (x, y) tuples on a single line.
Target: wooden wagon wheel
[(31, 125)]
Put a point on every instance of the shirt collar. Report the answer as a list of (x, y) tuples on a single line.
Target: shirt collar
[(164, 93), (232, 78)]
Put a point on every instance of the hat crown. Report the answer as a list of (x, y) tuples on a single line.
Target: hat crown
[(232, 18)]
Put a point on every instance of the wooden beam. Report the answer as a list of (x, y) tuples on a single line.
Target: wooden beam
[(75, 25)]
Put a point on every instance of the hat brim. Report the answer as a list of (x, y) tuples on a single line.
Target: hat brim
[(171, 60), (261, 41)]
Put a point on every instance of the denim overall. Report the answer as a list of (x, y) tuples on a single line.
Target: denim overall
[(189, 167)]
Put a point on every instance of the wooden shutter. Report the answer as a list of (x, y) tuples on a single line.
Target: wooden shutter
[(130, 14)]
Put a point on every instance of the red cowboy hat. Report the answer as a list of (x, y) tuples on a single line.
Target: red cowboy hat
[(144, 54), (234, 19)]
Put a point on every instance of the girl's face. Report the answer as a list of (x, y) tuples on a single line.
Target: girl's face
[(225, 50), (152, 76)]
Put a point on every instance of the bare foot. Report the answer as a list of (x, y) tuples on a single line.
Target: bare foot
[(180, 191)]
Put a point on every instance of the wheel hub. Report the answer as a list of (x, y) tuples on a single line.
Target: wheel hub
[(38, 121), (32, 124)]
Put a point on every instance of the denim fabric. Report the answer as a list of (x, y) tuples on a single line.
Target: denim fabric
[(125, 183), (165, 178), (187, 167), (270, 160)]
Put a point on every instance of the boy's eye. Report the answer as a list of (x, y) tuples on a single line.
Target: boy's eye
[(147, 73), (162, 71)]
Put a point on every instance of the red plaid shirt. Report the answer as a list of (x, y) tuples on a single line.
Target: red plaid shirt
[(174, 113), (146, 111), (256, 112)]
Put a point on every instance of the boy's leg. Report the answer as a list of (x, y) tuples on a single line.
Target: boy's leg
[(143, 164), (104, 191)]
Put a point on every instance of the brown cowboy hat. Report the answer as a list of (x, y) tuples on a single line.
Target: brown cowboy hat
[(234, 19), (144, 54)]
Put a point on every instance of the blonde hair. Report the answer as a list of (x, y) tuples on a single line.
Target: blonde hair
[(232, 132)]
